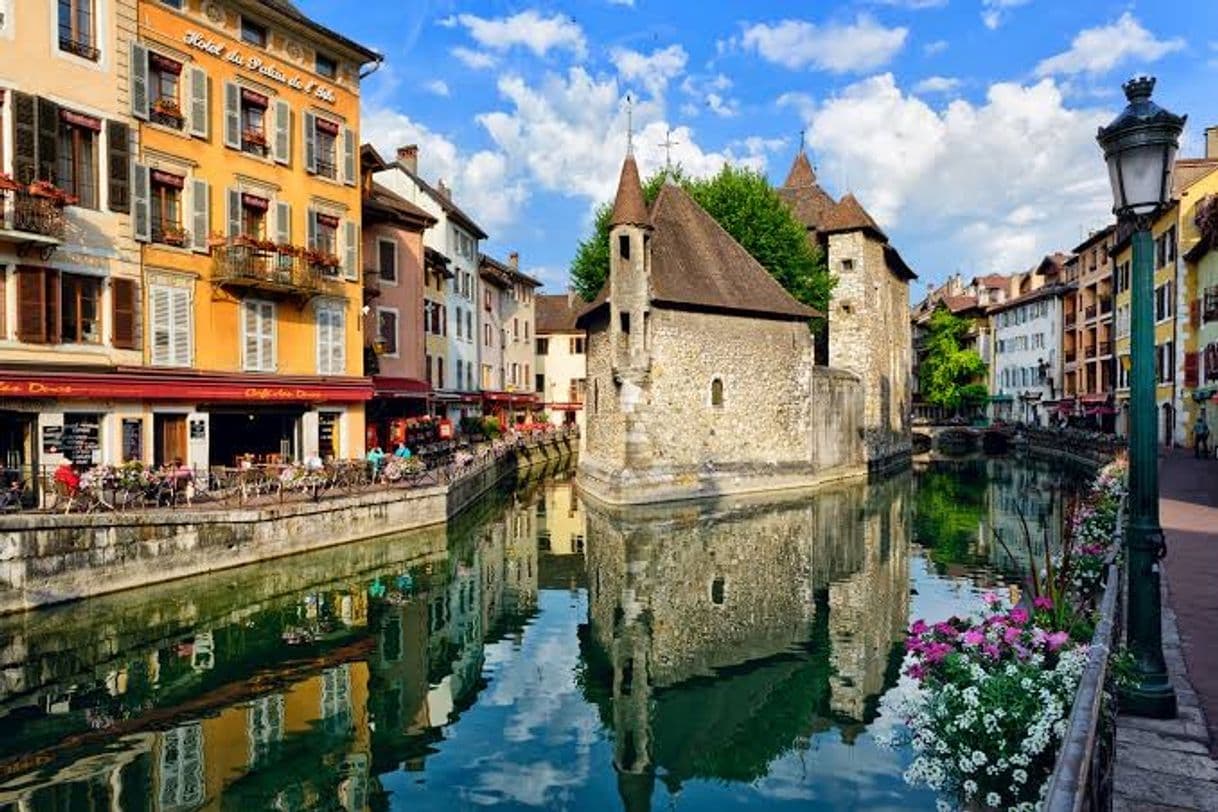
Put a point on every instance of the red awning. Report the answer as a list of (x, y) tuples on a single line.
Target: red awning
[(400, 387), (1094, 398), (510, 398), (185, 386)]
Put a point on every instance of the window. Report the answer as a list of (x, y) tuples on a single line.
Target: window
[(253, 122), (1123, 373), (253, 33), (717, 392), (469, 375), (172, 3), (170, 318), (847, 265), (623, 245), (515, 330), (625, 320), (331, 339), (79, 318), (460, 371), (387, 329), (1164, 301), (325, 141), (440, 373), (258, 336), (1165, 362), (77, 171), (469, 325), (165, 208), (718, 591), (325, 238), (387, 261), (253, 216), (526, 332), (326, 66), (543, 346), (77, 28), (577, 346), (164, 82), (427, 364), (539, 383)]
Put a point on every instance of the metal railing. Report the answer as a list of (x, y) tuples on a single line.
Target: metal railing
[(31, 214), (1071, 318), (1105, 347), (1105, 305), (1071, 356), (1090, 351), (1089, 313), (238, 263)]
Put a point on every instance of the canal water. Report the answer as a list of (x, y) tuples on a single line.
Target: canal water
[(538, 653)]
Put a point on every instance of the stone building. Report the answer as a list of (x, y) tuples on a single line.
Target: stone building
[(869, 332), (701, 372)]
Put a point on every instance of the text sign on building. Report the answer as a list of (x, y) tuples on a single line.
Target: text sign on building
[(256, 64)]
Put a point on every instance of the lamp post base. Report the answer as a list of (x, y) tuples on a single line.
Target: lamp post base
[(1152, 697)]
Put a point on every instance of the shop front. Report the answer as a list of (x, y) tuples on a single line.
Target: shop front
[(396, 401), (509, 408)]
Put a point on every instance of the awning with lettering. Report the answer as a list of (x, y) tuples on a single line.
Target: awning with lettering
[(80, 120), (328, 220), (400, 387), (250, 201), (185, 386), (256, 99), (168, 179), (164, 63), (328, 126)]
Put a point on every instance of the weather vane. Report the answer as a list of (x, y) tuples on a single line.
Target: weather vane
[(668, 144), (801, 140), (629, 125)]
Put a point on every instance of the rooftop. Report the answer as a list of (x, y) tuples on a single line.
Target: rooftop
[(287, 9), (807, 200), (557, 313)]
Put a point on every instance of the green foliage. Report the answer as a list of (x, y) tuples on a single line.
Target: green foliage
[(948, 509), (948, 376), (745, 205)]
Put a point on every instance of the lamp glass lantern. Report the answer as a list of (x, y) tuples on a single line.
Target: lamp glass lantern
[(380, 344), (1140, 149)]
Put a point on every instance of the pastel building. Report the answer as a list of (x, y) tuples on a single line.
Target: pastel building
[(507, 351), (562, 364)]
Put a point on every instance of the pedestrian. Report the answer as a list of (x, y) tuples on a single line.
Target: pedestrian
[(1201, 437), (375, 457)]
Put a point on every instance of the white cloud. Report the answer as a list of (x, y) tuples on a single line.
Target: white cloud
[(937, 84), (481, 181), (995, 12), (627, 3), (989, 186), (936, 47), (724, 108), (654, 71), (708, 93), (802, 103), (528, 29), (478, 60), (437, 86), (1100, 49), (917, 5), (839, 48)]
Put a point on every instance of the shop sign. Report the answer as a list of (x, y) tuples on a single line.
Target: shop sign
[(198, 429), (269, 393), (255, 64), (179, 390)]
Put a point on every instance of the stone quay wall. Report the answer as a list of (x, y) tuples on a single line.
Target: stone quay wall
[(47, 559)]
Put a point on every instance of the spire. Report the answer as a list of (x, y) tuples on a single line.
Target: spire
[(628, 206), (801, 173)]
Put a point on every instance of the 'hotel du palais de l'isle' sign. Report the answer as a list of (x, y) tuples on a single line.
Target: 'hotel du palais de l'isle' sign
[(255, 64)]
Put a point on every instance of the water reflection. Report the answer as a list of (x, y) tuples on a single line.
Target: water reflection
[(535, 653)]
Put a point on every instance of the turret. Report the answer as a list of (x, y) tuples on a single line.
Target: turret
[(629, 271)]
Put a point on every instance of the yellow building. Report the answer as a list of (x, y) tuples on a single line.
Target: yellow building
[(1175, 289), (245, 194)]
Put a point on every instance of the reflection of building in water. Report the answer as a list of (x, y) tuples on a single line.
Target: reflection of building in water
[(1021, 491), (747, 591), (561, 525)]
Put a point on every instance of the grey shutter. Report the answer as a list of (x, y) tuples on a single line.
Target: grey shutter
[(158, 317), (141, 191), (283, 132), (310, 141), (25, 137), (197, 87), (311, 229), (348, 156), (232, 115), (283, 223), (351, 249), (48, 140), (338, 341), (181, 327), (139, 81), (200, 221), (232, 211), (118, 165)]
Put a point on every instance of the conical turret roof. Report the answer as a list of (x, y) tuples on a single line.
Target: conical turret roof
[(628, 206), (849, 215), (808, 202)]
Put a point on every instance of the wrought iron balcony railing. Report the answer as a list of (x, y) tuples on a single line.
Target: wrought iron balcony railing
[(31, 214), (1090, 312), (289, 273)]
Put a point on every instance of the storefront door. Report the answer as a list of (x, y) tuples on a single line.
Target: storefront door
[(170, 432)]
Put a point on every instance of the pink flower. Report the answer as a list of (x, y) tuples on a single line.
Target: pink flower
[(936, 652), (973, 637), (1042, 602), (916, 671), (946, 630), (991, 599), (1018, 616), (991, 651), (1011, 635), (1056, 640), (919, 627)]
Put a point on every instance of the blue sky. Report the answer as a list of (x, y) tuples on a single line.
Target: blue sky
[(966, 127)]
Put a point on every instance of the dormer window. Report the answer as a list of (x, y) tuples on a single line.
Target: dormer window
[(326, 66), (253, 33)]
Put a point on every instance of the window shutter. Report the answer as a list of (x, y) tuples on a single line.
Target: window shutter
[(283, 132), (139, 81), (198, 106), (348, 156), (1194, 314), (180, 323), (266, 337), (118, 159), (250, 337), (141, 191), (159, 318), (48, 139), (123, 293), (338, 341), (232, 211), (31, 306), (25, 138), (200, 219), (310, 141), (311, 227), (232, 115), (351, 249), (323, 338), (283, 223)]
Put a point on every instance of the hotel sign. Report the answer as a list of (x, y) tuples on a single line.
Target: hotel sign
[(107, 387), (255, 64)]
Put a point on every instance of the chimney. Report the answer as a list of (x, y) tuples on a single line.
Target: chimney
[(408, 156), (514, 260), (443, 189), (1211, 142), (571, 296)]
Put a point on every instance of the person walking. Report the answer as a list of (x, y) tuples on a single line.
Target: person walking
[(1201, 437)]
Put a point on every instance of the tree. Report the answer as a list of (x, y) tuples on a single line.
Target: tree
[(949, 374), (745, 205)]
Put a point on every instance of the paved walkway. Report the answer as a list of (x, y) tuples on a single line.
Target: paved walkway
[(1166, 765)]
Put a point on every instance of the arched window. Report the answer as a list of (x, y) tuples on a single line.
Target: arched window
[(716, 391)]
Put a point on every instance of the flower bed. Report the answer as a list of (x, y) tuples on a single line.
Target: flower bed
[(993, 692)]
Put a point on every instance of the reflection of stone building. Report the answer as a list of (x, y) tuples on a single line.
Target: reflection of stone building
[(748, 591)]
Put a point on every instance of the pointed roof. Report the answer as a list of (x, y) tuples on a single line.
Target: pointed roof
[(849, 215), (808, 202), (628, 206)]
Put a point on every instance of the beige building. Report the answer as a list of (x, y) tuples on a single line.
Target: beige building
[(507, 322), (562, 364), (69, 267)]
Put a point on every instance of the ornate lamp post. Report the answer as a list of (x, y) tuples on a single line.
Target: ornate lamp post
[(1140, 148)]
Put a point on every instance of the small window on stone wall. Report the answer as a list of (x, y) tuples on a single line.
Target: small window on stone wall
[(623, 246), (717, 392), (847, 265), (625, 322), (718, 591)]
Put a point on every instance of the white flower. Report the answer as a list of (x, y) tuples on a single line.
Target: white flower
[(970, 788), (993, 799)]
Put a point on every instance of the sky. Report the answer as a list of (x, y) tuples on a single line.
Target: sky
[(965, 127)]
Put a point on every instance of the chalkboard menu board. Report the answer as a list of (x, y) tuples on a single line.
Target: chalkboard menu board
[(133, 439), (326, 422), (81, 438), (198, 429), (52, 439)]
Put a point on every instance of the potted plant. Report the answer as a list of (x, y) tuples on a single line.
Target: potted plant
[(167, 107), (255, 137), (175, 235)]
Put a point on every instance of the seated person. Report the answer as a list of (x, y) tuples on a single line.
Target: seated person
[(402, 451)]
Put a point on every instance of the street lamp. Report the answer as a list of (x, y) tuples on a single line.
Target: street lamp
[(1140, 148)]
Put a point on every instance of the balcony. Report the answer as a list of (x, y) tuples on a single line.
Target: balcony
[(80, 47), (167, 113), (169, 234), (30, 218), (327, 168), (1089, 313), (254, 143), (1071, 356), (1070, 319), (286, 271), (1105, 305), (1105, 348), (1090, 351)]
